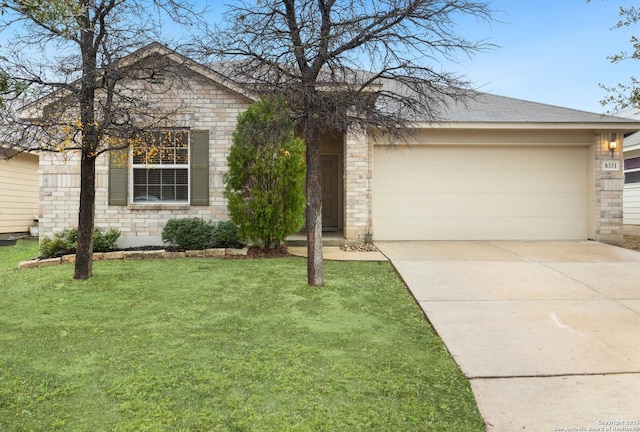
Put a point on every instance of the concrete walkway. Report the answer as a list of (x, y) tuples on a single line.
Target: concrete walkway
[(547, 332)]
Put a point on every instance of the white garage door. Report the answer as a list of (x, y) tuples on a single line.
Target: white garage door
[(480, 193)]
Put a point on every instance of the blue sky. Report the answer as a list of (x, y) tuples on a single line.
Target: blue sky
[(549, 51), (552, 51)]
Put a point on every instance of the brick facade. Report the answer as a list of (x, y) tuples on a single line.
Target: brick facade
[(608, 186), (358, 175), (203, 105)]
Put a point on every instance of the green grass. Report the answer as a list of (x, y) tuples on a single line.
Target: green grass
[(221, 345)]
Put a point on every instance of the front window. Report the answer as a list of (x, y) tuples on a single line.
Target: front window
[(160, 167), (632, 170)]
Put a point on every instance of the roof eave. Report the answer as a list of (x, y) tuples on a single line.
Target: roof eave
[(617, 126)]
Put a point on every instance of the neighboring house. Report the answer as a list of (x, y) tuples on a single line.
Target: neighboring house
[(631, 172), (19, 203), (495, 168)]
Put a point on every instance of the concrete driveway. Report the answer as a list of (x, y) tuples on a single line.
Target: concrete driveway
[(548, 333)]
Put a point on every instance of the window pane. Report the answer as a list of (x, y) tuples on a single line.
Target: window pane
[(139, 155), (633, 163), (154, 154), (182, 176), (168, 176), (139, 176), (154, 182), (632, 177), (154, 193), (168, 156), (182, 138), (154, 176), (182, 193), (182, 156), (139, 192), (168, 193)]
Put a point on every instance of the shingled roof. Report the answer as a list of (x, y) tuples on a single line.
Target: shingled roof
[(477, 108), (485, 107)]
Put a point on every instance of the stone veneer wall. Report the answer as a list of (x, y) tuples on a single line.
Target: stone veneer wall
[(201, 105), (609, 186), (358, 175)]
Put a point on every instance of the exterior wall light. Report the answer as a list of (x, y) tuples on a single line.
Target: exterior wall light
[(613, 144)]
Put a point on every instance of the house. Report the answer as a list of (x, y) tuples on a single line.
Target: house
[(19, 203), (495, 168), (631, 154), (632, 179)]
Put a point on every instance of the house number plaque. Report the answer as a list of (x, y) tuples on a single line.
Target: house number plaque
[(611, 165)]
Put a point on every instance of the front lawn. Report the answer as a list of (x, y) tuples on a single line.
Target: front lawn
[(221, 345)]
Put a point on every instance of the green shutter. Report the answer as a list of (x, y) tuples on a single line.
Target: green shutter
[(118, 173), (200, 168)]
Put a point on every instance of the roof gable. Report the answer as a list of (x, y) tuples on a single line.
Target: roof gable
[(154, 49)]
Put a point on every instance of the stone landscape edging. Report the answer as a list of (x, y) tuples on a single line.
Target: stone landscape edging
[(136, 255)]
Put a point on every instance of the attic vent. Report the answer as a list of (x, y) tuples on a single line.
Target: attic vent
[(156, 77)]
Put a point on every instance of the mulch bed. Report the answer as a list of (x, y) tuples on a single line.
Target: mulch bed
[(632, 242), (255, 252)]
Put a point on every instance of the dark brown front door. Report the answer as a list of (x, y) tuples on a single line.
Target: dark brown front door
[(330, 192)]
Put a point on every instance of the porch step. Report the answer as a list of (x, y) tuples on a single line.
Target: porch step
[(329, 239)]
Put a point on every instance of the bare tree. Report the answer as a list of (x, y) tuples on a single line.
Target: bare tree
[(344, 64), (72, 51)]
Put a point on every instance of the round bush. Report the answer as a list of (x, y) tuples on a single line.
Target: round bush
[(225, 235), (189, 233)]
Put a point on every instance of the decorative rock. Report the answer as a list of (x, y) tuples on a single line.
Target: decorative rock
[(148, 254), (242, 251), (366, 247), (28, 264), (68, 259), (134, 255), (214, 252), (174, 255), (49, 262), (113, 255), (154, 254)]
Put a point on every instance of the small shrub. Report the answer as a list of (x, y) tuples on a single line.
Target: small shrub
[(65, 242), (103, 242), (189, 233), (55, 247), (225, 235)]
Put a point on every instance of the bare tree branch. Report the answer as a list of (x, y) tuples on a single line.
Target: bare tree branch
[(345, 64), (90, 99)]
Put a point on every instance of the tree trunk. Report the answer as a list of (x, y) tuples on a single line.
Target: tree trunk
[(90, 140), (315, 270), (86, 216)]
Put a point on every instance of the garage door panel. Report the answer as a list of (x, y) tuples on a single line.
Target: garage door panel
[(464, 193), (468, 204), (459, 181), (476, 228), (483, 158)]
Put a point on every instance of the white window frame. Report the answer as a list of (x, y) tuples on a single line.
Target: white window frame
[(633, 170), (150, 166)]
